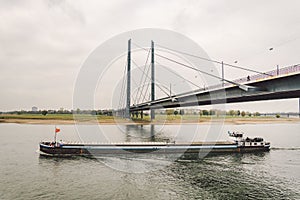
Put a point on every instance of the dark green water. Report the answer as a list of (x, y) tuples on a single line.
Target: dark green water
[(26, 175)]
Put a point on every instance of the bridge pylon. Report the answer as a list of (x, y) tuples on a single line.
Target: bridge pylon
[(152, 112), (128, 93)]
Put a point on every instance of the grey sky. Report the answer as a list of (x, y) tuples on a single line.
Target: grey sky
[(44, 43)]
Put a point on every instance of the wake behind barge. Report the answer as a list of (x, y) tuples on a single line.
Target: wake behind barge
[(238, 145)]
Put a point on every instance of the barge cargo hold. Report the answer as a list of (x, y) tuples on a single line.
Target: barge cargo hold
[(238, 145)]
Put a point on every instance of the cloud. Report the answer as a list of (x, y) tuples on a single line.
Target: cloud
[(43, 43), (67, 8)]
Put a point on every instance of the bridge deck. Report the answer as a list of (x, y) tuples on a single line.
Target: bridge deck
[(259, 87)]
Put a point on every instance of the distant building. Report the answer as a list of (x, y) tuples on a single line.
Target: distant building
[(192, 111), (51, 111), (34, 109)]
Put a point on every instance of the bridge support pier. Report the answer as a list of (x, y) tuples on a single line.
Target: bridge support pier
[(152, 133)]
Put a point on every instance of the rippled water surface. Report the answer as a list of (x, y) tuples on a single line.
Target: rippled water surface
[(27, 175)]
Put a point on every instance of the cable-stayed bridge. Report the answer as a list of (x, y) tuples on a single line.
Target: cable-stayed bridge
[(281, 83)]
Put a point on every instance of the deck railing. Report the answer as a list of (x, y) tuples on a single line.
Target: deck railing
[(256, 77)]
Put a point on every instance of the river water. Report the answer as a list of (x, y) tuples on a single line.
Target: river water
[(27, 175)]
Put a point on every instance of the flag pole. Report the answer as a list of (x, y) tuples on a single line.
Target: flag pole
[(55, 135)]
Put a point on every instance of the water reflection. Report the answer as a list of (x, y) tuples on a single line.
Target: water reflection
[(143, 133)]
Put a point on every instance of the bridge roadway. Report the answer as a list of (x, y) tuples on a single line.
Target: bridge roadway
[(275, 87)]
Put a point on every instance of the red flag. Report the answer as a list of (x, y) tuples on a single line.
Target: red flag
[(57, 130)]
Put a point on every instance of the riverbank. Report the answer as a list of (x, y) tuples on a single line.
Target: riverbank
[(160, 119)]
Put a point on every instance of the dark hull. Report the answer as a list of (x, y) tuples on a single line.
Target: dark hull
[(92, 150)]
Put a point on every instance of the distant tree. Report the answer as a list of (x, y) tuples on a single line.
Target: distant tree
[(175, 112), (93, 112), (170, 111), (181, 112), (238, 112), (205, 112), (249, 114), (257, 114), (277, 116), (109, 113), (44, 112), (231, 112), (212, 112), (218, 113), (99, 112), (200, 113), (243, 113), (221, 113)]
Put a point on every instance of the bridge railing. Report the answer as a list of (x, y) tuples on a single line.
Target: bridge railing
[(279, 72), (256, 77)]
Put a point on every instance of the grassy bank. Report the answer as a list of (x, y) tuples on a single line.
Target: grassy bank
[(159, 119), (59, 118), (38, 116)]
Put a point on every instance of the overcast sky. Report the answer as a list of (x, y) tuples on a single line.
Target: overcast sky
[(44, 43)]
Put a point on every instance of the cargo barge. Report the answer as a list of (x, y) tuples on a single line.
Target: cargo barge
[(238, 145)]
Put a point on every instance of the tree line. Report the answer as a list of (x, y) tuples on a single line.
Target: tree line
[(213, 112), (108, 112), (111, 112)]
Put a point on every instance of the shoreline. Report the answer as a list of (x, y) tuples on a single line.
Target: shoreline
[(233, 121)]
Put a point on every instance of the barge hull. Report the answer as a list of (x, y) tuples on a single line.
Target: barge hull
[(140, 149)]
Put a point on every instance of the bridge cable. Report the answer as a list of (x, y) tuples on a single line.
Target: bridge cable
[(122, 88), (196, 69), (167, 68), (133, 80), (145, 85), (145, 49), (187, 66), (142, 78), (143, 71), (150, 78), (214, 61)]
